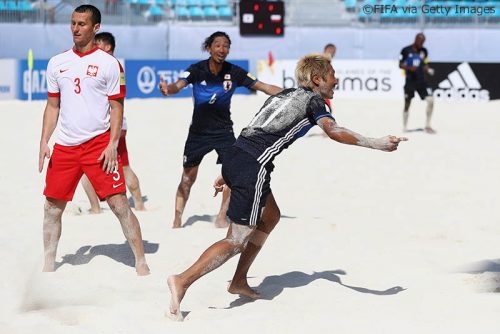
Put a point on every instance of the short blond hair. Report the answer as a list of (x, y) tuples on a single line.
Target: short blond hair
[(309, 66)]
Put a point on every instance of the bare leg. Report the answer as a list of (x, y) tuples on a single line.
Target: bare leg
[(429, 110), (406, 114), (95, 206), (270, 218), (52, 226), (221, 220), (131, 229), (217, 254), (134, 187), (188, 178)]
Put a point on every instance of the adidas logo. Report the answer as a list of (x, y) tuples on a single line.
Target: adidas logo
[(461, 84), (203, 83)]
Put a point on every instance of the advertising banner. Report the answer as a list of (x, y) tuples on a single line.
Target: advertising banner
[(8, 79), (357, 78), (466, 81), (39, 80), (143, 76)]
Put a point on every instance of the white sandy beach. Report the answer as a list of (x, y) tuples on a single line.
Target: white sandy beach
[(369, 242)]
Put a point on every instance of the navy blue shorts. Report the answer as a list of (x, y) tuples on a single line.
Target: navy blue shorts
[(421, 87), (199, 145), (250, 185)]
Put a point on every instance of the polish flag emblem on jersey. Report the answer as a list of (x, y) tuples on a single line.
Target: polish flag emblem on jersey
[(92, 70)]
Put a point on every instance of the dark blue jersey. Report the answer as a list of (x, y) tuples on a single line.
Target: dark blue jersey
[(282, 119), (414, 57), (212, 95)]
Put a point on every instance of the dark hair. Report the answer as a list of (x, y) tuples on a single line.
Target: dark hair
[(210, 39), (107, 38), (330, 45), (96, 14)]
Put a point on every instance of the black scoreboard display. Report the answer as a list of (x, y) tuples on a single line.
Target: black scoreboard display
[(262, 18)]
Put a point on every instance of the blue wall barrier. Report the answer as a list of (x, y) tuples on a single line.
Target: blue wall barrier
[(142, 77)]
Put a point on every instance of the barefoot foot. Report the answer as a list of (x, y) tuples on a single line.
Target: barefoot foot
[(177, 223), (140, 207), (95, 211), (242, 288), (142, 269), (176, 294), (430, 130), (174, 317), (48, 267)]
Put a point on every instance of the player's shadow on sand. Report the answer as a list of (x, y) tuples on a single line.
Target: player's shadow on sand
[(197, 218), (415, 130), (120, 253), (492, 266), (211, 219), (273, 286)]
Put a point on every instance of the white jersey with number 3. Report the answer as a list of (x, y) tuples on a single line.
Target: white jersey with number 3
[(85, 83)]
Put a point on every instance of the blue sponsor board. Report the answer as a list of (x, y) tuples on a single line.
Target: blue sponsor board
[(143, 76), (39, 80)]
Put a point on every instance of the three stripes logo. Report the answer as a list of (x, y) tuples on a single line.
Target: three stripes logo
[(461, 84)]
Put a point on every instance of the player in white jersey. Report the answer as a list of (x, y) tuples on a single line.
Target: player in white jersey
[(106, 42), (84, 94)]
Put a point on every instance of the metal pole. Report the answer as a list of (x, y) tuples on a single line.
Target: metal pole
[(167, 36), (30, 73)]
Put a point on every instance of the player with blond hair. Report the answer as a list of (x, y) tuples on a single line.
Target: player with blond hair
[(253, 211)]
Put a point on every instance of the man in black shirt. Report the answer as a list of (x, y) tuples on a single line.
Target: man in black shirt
[(214, 81), (414, 61), (253, 211)]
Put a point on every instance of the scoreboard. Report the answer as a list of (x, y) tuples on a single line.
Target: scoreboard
[(262, 18)]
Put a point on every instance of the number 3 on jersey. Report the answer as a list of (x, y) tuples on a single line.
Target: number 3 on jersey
[(78, 89), (116, 174)]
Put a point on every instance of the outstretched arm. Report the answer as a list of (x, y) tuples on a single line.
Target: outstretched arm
[(267, 88), (346, 136), (50, 116), (173, 88)]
